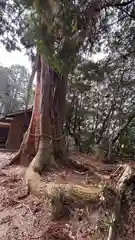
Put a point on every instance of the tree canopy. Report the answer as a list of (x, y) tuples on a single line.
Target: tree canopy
[(100, 96)]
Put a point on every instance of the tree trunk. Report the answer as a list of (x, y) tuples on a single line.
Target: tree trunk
[(111, 142), (30, 141), (51, 141), (44, 153), (34, 69), (57, 115), (105, 124), (45, 138), (119, 134), (124, 127)]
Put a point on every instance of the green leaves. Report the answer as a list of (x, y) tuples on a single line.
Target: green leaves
[(14, 82)]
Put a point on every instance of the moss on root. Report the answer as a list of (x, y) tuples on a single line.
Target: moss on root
[(33, 180), (60, 196), (73, 192)]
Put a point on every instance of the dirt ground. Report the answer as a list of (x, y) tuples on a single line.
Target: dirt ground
[(25, 216)]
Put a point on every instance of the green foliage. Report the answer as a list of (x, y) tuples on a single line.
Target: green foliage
[(127, 142), (100, 95), (15, 92), (58, 29), (100, 106)]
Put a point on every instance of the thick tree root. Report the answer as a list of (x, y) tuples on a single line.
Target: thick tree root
[(21, 152), (16, 158), (32, 179), (127, 176), (61, 196)]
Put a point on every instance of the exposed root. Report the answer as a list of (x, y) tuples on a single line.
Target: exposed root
[(73, 192), (87, 168), (60, 196), (126, 177), (25, 154), (32, 179), (15, 159), (63, 196)]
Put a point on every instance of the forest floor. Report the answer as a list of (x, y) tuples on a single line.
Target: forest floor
[(28, 217)]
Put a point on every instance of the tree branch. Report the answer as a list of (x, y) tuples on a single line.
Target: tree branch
[(124, 3), (130, 118)]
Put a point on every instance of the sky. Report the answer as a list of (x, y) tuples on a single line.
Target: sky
[(16, 57)]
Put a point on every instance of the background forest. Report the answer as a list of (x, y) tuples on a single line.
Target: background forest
[(13, 88)]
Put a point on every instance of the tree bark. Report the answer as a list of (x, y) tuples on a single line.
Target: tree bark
[(45, 137), (44, 153), (34, 69), (30, 141), (51, 140)]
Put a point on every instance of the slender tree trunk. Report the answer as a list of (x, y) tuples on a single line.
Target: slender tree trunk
[(34, 69), (121, 131), (124, 127), (104, 126)]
